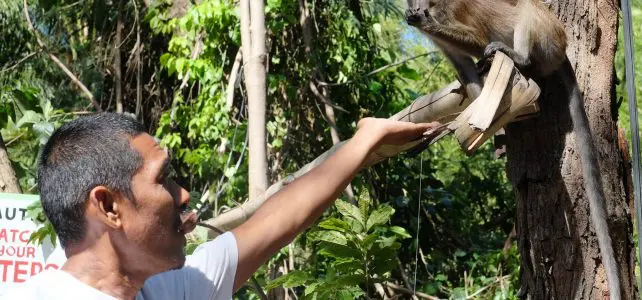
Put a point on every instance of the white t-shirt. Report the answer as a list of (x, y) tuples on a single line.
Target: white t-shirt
[(208, 274)]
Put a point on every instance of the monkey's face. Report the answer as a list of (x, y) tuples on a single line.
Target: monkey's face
[(423, 13)]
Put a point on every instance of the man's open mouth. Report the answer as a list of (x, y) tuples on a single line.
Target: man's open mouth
[(188, 221)]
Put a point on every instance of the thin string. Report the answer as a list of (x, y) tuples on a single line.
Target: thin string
[(421, 173)]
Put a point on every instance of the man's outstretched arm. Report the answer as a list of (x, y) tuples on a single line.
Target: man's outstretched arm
[(300, 203)]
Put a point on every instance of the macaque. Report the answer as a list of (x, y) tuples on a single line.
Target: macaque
[(534, 38)]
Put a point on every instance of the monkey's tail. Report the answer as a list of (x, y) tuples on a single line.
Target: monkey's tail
[(592, 178)]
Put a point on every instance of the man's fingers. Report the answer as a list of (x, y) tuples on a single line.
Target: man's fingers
[(435, 129)]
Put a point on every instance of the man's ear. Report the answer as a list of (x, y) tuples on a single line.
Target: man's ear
[(106, 206)]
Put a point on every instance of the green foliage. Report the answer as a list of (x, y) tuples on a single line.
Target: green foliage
[(197, 123), (45, 229), (27, 121), (357, 249), (466, 209)]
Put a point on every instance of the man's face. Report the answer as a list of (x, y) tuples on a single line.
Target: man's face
[(155, 235)]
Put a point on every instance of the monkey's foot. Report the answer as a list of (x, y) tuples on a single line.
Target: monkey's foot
[(521, 62)]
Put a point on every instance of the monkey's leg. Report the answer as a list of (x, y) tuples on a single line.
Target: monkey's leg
[(466, 70), (521, 50), (521, 62)]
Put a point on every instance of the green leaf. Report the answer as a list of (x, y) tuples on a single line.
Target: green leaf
[(379, 217), (400, 231), (374, 86), (369, 240), (338, 251), (334, 224), (350, 211), (311, 288), (26, 99), (164, 58), (349, 293), (331, 236), (180, 65), (29, 117), (348, 265), (407, 72), (44, 131), (292, 279), (352, 279), (376, 27), (441, 277), (383, 265)]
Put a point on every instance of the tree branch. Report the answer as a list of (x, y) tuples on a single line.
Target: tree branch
[(233, 80), (444, 106), (445, 102), (198, 47), (55, 59), (20, 61), (375, 71)]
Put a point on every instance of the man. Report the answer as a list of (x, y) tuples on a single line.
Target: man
[(105, 187)]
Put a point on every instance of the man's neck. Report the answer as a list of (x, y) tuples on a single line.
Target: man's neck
[(100, 268)]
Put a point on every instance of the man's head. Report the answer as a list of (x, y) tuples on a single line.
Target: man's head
[(101, 176)]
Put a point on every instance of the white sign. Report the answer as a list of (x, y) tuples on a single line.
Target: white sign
[(19, 259)]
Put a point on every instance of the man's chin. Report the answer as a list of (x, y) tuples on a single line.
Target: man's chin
[(179, 262)]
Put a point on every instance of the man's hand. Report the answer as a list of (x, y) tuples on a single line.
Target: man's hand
[(391, 132)]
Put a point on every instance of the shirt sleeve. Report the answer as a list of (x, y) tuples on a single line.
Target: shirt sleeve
[(208, 274)]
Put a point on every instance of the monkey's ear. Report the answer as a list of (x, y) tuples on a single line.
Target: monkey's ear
[(104, 204)]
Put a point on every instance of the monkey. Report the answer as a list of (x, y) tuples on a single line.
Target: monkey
[(530, 34)]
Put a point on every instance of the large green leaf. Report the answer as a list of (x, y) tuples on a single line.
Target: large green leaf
[(334, 224), (379, 217), (348, 266), (330, 236), (292, 279), (29, 117), (26, 99), (338, 251), (350, 211), (400, 231), (408, 73)]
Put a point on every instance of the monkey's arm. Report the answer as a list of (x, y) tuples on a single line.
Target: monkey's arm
[(458, 36), (466, 71)]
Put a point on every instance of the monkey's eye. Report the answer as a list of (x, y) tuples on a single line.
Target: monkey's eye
[(431, 4)]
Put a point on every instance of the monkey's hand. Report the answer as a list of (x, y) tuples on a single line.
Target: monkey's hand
[(418, 17)]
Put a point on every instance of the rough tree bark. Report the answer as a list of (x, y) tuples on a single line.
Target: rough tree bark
[(560, 257), (254, 71), (8, 180)]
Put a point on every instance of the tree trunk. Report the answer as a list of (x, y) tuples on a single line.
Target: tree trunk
[(8, 180), (118, 81), (254, 60), (560, 258)]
